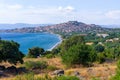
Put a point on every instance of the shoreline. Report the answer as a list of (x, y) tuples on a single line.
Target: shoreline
[(58, 43), (60, 39)]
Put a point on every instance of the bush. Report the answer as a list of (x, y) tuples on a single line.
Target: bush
[(35, 64), (78, 54), (117, 76), (9, 52), (35, 52), (100, 57), (52, 68), (49, 55), (95, 79), (31, 76), (74, 51), (66, 78), (99, 48), (74, 40)]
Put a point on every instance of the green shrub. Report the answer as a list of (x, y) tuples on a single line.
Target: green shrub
[(79, 54), (35, 52), (75, 51), (99, 48), (52, 68), (49, 56), (31, 76), (9, 52), (95, 79), (117, 76), (100, 57), (74, 40), (35, 64), (66, 78)]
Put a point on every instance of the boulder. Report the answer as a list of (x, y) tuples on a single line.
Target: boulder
[(81, 77), (21, 70), (11, 70), (89, 69), (76, 73), (58, 72), (2, 68)]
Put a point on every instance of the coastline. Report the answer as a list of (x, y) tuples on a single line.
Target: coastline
[(25, 50), (58, 43)]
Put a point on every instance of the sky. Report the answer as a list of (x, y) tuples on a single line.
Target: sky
[(102, 12)]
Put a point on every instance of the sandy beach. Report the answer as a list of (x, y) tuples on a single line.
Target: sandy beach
[(60, 38)]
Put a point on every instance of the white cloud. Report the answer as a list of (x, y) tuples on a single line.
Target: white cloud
[(17, 13), (60, 8), (16, 6), (9, 6), (69, 8), (115, 14), (66, 9)]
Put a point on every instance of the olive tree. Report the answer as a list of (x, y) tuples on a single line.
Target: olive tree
[(9, 52)]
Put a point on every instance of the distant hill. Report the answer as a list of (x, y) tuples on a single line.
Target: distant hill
[(20, 25), (64, 28), (74, 26), (111, 26)]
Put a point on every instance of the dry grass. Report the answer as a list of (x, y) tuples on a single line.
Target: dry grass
[(53, 61), (102, 70), (99, 70)]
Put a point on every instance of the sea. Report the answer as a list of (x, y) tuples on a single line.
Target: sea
[(28, 40)]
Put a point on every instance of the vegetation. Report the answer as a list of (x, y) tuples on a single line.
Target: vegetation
[(99, 48), (31, 76), (117, 75), (51, 68), (35, 64), (95, 79), (74, 50), (49, 55), (35, 52), (74, 40), (67, 78), (77, 52), (9, 52)]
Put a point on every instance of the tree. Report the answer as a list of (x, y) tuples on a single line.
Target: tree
[(99, 48), (79, 54), (35, 52), (74, 40), (74, 51), (9, 51)]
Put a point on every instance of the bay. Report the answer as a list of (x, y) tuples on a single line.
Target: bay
[(29, 40)]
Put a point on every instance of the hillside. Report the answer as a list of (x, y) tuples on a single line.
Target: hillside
[(67, 27), (74, 26), (102, 71)]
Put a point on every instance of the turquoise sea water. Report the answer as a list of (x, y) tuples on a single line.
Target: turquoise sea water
[(29, 40)]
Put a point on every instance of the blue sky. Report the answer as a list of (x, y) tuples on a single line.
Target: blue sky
[(58, 11)]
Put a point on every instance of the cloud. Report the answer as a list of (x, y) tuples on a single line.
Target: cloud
[(66, 9), (69, 8), (11, 7), (16, 6), (115, 14), (16, 13)]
